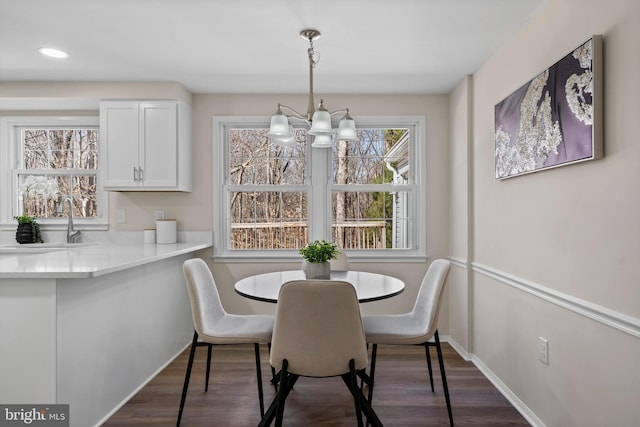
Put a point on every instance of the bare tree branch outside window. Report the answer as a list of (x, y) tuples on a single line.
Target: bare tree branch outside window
[(68, 160), (272, 216)]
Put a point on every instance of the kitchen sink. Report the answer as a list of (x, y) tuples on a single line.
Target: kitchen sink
[(35, 248)]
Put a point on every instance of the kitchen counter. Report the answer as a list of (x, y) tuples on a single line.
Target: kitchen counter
[(91, 324), (84, 260)]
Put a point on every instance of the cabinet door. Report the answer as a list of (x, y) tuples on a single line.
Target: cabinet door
[(159, 144), (119, 143)]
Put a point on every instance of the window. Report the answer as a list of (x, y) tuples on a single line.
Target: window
[(363, 195), (50, 159), (268, 197), (370, 190)]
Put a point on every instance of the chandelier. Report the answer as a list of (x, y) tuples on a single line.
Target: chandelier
[(318, 119)]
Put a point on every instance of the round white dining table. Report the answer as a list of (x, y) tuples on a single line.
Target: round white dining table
[(369, 286)]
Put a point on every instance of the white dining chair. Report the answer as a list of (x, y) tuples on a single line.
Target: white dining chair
[(341, 263), (318, 333), (214, 326), (418, 327)]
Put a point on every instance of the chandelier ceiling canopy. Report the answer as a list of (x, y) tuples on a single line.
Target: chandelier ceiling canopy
[(318, 119)]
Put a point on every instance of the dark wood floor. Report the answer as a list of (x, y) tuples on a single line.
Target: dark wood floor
[(402, 396)]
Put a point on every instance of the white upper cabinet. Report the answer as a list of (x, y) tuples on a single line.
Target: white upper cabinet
[(145, 145)]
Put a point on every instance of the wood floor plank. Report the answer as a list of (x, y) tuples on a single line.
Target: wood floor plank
[(402, 396)]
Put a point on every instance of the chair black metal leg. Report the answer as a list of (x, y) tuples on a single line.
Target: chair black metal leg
[(371, 383), (206, 384), (194, 344), (444, 377), (362, 381), (287, 381), (270, 414), (372, 418), (426, 350), (282, 395), (274, 379), (355, 391), (374, 354), (256, 347)]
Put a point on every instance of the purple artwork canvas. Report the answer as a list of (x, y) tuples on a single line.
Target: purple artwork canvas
[(550, 120)]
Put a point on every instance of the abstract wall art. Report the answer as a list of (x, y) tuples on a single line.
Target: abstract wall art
[(555, 119)]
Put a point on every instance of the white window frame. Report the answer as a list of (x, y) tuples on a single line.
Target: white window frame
[(10, 151), (320, 198)]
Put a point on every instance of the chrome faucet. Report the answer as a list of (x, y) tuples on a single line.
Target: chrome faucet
[(72, 235)]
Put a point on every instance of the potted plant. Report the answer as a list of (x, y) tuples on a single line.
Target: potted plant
[(317, 255), (28, 229)]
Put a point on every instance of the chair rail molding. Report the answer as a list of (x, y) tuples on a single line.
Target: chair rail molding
[(458, 262), (614, 319)]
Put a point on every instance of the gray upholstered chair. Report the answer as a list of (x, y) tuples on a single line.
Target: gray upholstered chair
[(318, 333), (341, 263), (417, 327), (214, 326)]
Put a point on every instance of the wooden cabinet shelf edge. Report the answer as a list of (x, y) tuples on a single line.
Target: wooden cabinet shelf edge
[(146, 145)]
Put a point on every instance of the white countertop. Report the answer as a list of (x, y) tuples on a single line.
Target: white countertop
[(85, 260)]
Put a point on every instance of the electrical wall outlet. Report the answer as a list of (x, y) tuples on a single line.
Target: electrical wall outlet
[(121, 216), (159, 214), (543, 350)]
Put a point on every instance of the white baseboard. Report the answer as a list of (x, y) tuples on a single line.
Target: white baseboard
[(524, 410), (457, 347), (134, 392)]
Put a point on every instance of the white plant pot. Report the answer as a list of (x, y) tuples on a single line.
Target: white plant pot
[(321, 270)]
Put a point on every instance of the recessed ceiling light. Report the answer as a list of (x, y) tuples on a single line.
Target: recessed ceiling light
[(53, 53)]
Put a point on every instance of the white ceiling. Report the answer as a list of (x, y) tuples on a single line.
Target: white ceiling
[(252, 46)]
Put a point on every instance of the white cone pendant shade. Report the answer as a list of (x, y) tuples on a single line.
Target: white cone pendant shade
[(284, 140), (322, 141), (347, 130), (320, 123), (279, 126)]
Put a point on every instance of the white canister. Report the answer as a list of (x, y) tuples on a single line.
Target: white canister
[(149, 236), (166, 231)]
